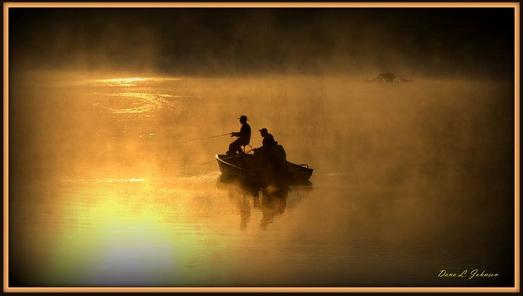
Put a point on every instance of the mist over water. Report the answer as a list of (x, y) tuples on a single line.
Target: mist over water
[(114, 117), (113, 181), (435, 42)]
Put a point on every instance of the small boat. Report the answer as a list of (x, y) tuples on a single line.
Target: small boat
[(247, 167)]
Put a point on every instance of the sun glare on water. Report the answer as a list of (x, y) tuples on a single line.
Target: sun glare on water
[(130, 81), (139, 94)]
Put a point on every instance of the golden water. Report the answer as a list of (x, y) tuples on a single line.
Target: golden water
[(113, 181)]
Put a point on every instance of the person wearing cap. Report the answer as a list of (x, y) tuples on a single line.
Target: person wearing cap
[(244, 137), (268, 140), (270, 153)]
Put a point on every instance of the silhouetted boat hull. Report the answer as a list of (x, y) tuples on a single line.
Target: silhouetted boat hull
[(245, 166)]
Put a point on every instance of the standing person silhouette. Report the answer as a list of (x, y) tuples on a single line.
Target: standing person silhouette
[(244, 137)]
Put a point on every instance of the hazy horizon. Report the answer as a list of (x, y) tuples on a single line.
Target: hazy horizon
[(446, 42)]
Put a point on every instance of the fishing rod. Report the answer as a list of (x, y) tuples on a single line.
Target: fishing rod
[(205, 138), (216, 136)]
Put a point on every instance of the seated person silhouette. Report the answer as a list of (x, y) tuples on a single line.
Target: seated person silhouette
[(244, 137), (272, 154), (268, 140)]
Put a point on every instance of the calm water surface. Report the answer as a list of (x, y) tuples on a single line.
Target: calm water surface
[(113, 182)]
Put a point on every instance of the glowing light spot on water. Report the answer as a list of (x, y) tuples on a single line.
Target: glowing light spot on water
[(122, 180), (130, 81), (108, 180)]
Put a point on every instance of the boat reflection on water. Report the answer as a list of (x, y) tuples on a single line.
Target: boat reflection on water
[(271, 200)]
